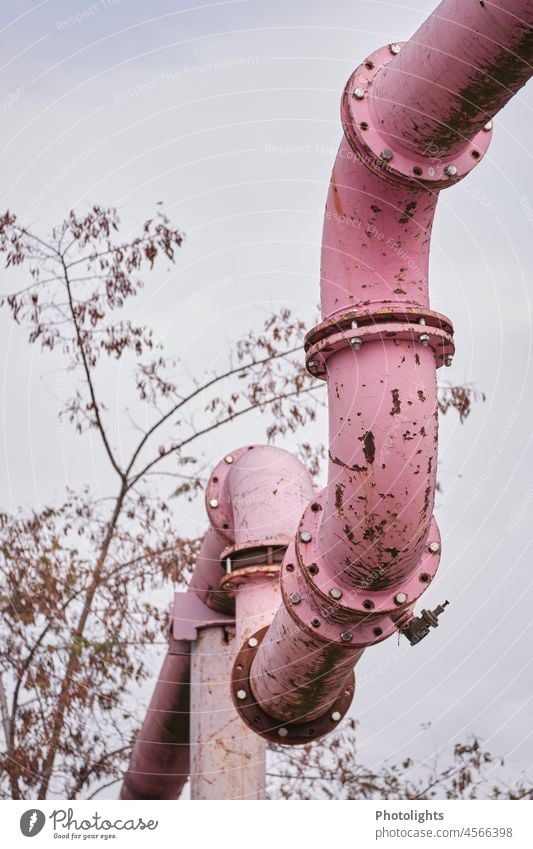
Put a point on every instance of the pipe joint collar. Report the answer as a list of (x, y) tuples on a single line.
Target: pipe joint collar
[(256, 718), (323, 603), (379, 151), (398, 322)]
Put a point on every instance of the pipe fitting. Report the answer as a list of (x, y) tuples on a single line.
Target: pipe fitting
[(386, 153)]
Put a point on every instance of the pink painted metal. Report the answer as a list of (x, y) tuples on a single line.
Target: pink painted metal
[(159, 766), (456, 72), (368, 547)]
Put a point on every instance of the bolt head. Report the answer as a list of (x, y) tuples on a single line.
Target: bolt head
[(448, 360), (305, 536), (354, 325), (450, 170), (241, 695), (356, 343), (424, 340), (386, 154), (421, 320), (434, 547), (400, 598), (295, 598), (282, 732), (229, 459), (359, 93), (213, 502), (336, 716), (488, 127), (313, 364), (335, 592), (346, 636), (394, 49), (253, 642)]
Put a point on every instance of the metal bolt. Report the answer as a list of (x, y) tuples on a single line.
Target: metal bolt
[(305, 536), (241, 695), (448, 360), (421, 320), (282, 732), (335, 592), (450, 170), (400, 598), (356, 343), (434, 547), (295, 598), (354, 325), (213, 502), (386, 154), (253, 642), (424, 340), (315, 623), (394, 49), (346, 636), (488, 127), (313, 364), (336, 716), (229, 459), (359, 93)]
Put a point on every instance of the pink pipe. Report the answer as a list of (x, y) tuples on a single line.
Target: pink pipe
[(159, 766), (456, 72), (383, 432), (367, 547)]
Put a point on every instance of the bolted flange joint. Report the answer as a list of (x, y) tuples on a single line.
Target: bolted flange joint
[(253, 715), (433, 168)]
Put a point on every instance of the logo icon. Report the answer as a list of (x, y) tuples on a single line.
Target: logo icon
[(32, 822)]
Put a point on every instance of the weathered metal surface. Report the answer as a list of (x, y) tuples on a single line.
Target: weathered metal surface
[(227, 758), (259, 497), (205, 580), (159, 766), (297, 676), (457, 71), (189, 613), (287, 733), (369, 139), (257, 599)]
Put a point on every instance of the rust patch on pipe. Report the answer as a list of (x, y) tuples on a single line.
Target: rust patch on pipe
[(396, 404), (369, 446)]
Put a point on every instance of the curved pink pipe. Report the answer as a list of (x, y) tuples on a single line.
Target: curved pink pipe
[(382, 399), (382, 391), (456, 72)]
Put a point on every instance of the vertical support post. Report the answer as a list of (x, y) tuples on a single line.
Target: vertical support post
[(227, 758)]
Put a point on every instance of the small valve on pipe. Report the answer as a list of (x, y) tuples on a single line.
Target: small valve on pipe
[(418, 627)]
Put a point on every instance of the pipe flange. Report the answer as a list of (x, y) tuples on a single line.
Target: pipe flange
[(232, 581), (326, 605), (217, 502), (383, 323), (287, 734), (387, 155)]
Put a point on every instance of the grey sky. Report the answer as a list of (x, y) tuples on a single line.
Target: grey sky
[(228, 112)]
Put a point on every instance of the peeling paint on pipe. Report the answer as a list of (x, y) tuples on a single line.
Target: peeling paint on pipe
[(457, 71)]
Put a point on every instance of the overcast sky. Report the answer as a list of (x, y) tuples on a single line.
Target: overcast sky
[(228, 113)]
